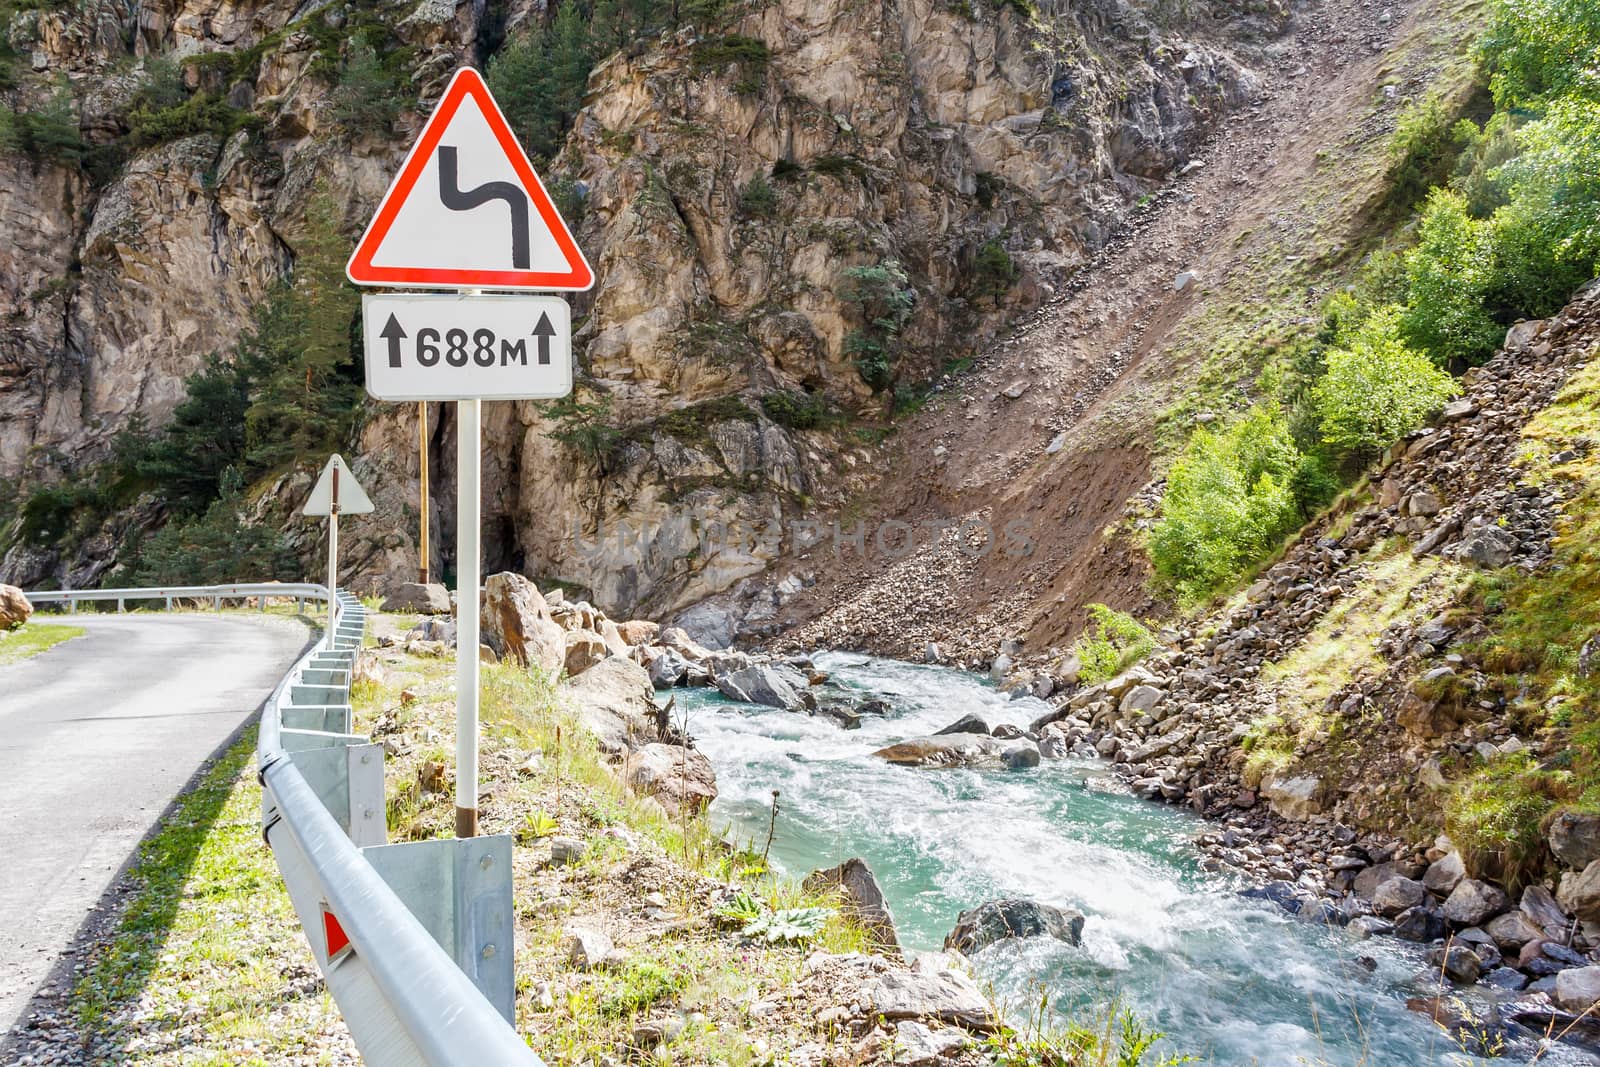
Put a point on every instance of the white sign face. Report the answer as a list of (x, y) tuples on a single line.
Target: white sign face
[(444, 347), (337, 479), (467, 210)]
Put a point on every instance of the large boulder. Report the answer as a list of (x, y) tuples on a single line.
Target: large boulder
[(1575, 838), (951, 750), (1580, 893), (967, 724), (1397, 895), (639, 631), (999, 920), (585, 648), (615, 701), (14, 608), (1297, 798), (517, 623), (1445, 874), (1578, 989), (1511, 931), (864, 900), (1473, 902), (774, 685), (416, 598), (930, 992), (676, 776)]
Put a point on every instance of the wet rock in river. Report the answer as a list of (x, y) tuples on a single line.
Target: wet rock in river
[(967, 724), (999, 920)]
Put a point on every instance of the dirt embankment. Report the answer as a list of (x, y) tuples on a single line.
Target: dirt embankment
[(1056, 431)]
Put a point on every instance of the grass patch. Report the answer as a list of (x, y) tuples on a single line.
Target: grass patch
[(208, 949), (34, 638)]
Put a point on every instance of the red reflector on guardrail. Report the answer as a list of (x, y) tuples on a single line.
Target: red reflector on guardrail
[(334, 937)]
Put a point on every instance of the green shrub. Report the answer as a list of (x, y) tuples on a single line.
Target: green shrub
[(1448, 276), (220, 546), (1229, 502), (1110, 644), (50, 134), (367, 100), (884, 299), (749, 54), (200, 113), (993, 272), (1494, 817), (796, 411), (1423, 150), (587, 429), (758, 199), (1376, 390)]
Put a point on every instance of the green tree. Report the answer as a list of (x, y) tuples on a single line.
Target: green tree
[(205, 438), (300, 355), (586, 428), (1449, 275), (884, 298), (220, 546), (1376, 389), (367, 99), (1229, 501)]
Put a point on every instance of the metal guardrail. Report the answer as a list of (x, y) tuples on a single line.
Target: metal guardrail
[(416, 940)]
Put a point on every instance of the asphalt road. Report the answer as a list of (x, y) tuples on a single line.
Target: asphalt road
[(97, 736)]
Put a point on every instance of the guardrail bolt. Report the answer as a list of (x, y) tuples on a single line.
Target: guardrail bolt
[(486, 862), (488, 952)]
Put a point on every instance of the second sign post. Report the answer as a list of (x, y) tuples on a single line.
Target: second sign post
[(467, 212)]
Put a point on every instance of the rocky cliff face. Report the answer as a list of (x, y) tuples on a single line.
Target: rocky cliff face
[(909, 132)]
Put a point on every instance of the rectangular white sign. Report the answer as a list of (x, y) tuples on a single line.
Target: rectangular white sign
[(463, 347)]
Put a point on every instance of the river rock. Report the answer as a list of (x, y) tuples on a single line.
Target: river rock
[(1458, 963), (951, 750), (14, 608), (1367, 882), (1473, 902), (1421, 924), (678, 639), (517, 623), (1139, 700), (864, 900), (666, 666), (614, 699), (1578, 989), (1575, 838), (841, 716), (1445, 874), (1541, 909), (1579, 894), (417, 598), (1297, 798), (967, 724), (917, 1046), (930, 992), (676, 776), (1020, 757), (775, 685), (998, 920), (1397, 895), (1511, 931)]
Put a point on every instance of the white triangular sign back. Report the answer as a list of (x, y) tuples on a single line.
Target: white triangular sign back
[(352, 500)]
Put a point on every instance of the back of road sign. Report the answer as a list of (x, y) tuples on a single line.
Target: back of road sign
[(352, 499), (467, 210)]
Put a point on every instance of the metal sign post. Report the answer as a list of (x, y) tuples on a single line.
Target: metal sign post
[(422, 449), (336, 493), (468, 456), (467, 212)]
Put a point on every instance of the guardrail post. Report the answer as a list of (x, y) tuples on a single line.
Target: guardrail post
[(122, 606), (169, 603), (299, 605), (72, 606), (216, 603)]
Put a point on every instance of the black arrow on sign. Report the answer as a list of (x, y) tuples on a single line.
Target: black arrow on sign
[(394, 335), (544, 331)]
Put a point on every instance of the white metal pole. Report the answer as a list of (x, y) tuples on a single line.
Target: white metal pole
[(333, 574), (468, 419)]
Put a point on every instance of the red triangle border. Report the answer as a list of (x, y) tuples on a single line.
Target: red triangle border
[(361, 270)]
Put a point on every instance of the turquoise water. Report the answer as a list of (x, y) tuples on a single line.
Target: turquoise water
[(1234, 981)]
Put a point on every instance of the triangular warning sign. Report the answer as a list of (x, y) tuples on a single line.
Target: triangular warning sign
[(467, 210), (338, 486)]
